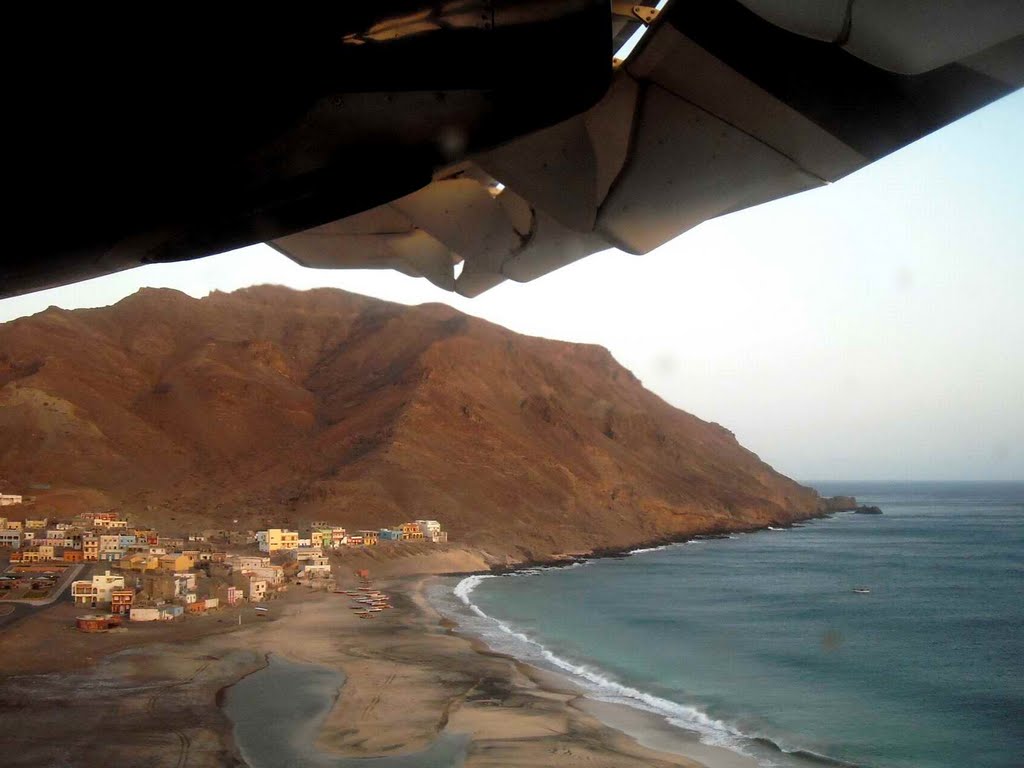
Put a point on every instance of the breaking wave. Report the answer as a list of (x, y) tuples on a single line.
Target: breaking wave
[(596, 682), (642, 550), (601, 685)]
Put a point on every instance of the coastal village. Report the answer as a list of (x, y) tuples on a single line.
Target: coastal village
[(118, 572)]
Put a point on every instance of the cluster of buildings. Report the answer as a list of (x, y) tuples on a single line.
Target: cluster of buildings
[(169, 586), (147, 576), (328, 536), (90, 537)]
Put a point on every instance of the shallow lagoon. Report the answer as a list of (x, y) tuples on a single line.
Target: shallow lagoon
[(278, 711)]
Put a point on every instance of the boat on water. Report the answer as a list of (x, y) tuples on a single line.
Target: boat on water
[(862, 590)]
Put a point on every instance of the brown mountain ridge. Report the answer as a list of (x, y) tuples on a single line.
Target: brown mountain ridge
[(273, 405)]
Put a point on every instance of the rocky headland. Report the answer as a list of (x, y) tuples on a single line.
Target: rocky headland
[(273, 406)]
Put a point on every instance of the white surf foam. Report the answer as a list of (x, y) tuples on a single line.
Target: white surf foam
[(598, 683), (642, 550)]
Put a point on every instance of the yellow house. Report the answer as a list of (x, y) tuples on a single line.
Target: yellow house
[(139, 562), (280, 539), (175, 562), (369, 537), (411, 532), (320, 537)]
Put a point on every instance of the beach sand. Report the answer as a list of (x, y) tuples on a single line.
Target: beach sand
[(409, 677)]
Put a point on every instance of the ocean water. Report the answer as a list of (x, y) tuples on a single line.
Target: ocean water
[(759, 643)]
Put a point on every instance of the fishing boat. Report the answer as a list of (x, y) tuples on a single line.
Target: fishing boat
[(862, 590)]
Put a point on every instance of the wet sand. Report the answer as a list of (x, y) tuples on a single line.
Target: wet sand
[(407, 679)]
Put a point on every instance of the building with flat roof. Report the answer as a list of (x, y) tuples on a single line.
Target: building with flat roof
[(277, 540), (369, 537), (121, 600), (175, 562), (96, 591), (411, 532)]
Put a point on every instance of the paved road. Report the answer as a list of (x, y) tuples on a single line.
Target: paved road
[(22, 608)]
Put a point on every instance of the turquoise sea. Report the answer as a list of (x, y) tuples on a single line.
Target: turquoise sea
[(759, 643)]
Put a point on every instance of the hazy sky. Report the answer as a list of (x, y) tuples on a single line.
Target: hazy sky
[(873, 329)]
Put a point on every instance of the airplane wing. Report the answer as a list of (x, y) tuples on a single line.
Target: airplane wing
[(474, 141)]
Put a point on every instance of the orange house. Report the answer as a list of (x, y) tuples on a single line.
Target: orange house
[(121, 601), (74, 556)]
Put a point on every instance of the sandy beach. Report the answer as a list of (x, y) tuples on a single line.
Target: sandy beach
[(409, 677)]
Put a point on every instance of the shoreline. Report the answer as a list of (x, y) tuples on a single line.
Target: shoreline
[(410, 675), (649, 730), (408, 680), (602, 553)]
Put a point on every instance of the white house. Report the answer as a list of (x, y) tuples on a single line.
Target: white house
[(307, 553), (97, 590), (9, 499), (316, 568), (184, 583), (431, 530), (245, 562), (10, 539), (257, 589), (271, 574)]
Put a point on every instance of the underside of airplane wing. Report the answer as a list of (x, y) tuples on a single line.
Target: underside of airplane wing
[(474, 142)]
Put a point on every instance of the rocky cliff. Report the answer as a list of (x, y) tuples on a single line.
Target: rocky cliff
[(275, 405)]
